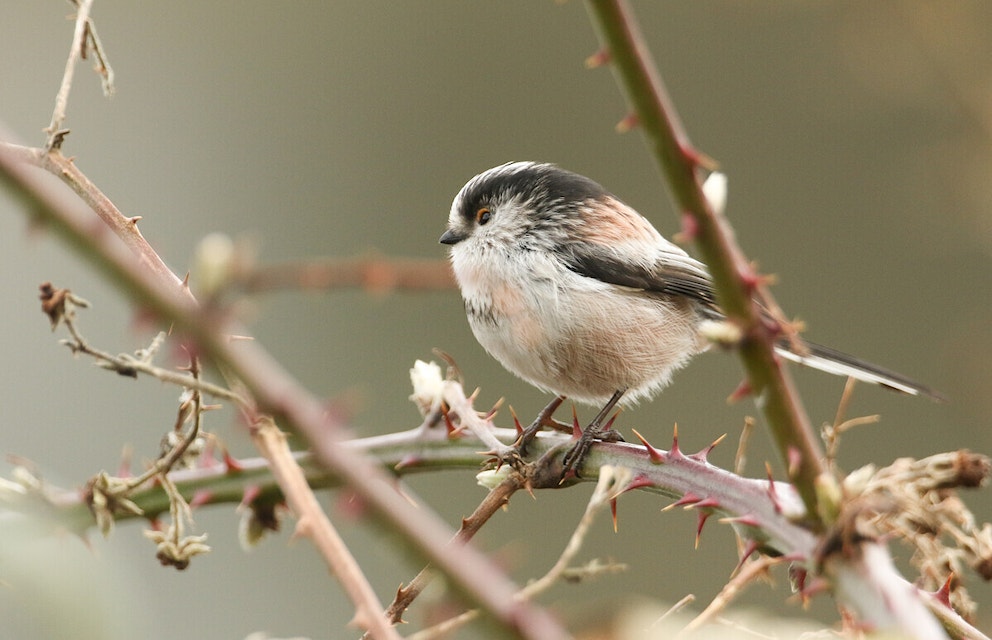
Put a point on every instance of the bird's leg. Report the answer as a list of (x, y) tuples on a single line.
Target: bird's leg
[(577, 454), (542, 420)]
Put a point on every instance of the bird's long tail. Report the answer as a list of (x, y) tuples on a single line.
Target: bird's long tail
[(842, 364)]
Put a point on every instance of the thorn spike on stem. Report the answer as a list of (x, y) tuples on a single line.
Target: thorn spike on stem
[(689, 230), (492, 412), (688, 499), (448, 424), (251, 492), (629, 122), (637, 483), (772, 492), (231, 463), (609, 423), (201, 497), (407, 461), (943, 594), (598, 59), (701, 519), (750, 278), (795, 461), (576, 429), (613, 512), (747, 520), (656, 456), (742, 391), (702, 455), (516, 422), (675, 452), (749, 548)]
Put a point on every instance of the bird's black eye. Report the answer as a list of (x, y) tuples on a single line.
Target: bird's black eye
[(483, 215)]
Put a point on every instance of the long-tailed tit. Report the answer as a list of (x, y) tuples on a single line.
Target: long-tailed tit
[(575, 292)]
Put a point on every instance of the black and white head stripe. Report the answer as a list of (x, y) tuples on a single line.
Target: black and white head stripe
[(545, 184)]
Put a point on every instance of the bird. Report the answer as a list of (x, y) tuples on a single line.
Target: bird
[(575, 292)]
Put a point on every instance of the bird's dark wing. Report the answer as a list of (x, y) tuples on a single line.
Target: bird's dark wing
[(669, 272)]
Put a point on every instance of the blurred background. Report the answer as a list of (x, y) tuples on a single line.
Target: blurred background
[(856, 137)]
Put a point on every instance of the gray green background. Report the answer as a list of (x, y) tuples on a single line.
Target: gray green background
[(856, 137)]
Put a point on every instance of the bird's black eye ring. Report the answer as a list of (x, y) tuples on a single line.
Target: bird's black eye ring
[(483, 215)]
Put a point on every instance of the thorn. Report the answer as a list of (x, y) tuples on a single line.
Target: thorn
[(637, 483), (629, 122), (250, 494), (201, 497), (772, 493), (598, 59), (747, 520), (749, 548), (516, 422), (675, 452), (656, 456), (812, 588), (407, 461), (701, 456), (492, 412), (576, 429), (230, 463), (689, 230), (750, 278), (186, 281), (742, 391), (701, 519), (688, 498), (567, 477), (613, 511), (943, 595), (453, 431), (705, 503), (609, 423), (698, 158), (795, 461), (133, 220)]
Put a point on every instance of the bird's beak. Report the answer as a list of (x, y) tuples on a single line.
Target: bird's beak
[(452, 237)]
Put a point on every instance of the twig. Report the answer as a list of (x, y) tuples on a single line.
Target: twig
[(735, 281), (313, 523), (95, 46), (275, 390), (126, 365), (84, 39), (611, 482), (731, 590), (496, 499), (122, 226)]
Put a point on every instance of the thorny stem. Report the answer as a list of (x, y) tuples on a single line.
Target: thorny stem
[(313, 523), (734, 279), (276, 391), (143, 275)]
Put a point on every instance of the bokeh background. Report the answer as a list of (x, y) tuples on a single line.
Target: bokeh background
[(857, 138)]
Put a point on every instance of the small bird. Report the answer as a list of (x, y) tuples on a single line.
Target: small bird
[(578, 294)]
